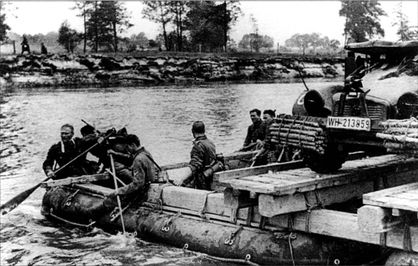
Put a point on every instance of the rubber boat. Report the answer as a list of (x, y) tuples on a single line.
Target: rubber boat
[(212, 222)]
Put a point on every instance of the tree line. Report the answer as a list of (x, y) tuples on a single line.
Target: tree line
[(204, 26)]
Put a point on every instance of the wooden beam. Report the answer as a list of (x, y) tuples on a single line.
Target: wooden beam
[(403, 197), (76, 180), (270, 205), (343, 225), (375, 219), (256, 170)]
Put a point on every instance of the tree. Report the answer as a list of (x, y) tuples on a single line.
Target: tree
[(404, 31), (228, 13), (334, 44), (204, 26), (301, 41), (179, 10), (362, 19), (115, 20), (86, 9), (255, 42), (67, 37), (159, 12), (139, 40), (106, 19), (3, 26), (92, 26)]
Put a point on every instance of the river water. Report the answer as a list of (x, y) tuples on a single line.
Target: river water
[(30, 121)]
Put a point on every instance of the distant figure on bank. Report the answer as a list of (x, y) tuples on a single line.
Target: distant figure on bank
[(43, 49), (255, 132), (25, 45), (61, 153), (203, 161)]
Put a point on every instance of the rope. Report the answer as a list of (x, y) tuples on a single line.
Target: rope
[(230, 240), (308, 210), (289, 236), (203, 210), (87, 226), (71, 197), (240, 261), (166, 226)]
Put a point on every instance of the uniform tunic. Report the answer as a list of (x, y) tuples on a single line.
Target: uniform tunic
[(202, 156), (60, 154), (144, 172)]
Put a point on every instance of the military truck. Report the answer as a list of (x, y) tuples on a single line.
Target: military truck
[(381, 83)]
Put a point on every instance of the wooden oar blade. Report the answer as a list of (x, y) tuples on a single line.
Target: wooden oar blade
[(14, 202)]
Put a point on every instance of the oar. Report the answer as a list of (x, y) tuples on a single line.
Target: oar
[(14, 202), (112, 164)]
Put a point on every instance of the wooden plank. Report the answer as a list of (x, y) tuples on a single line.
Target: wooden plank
[(95, 189), (411, 195), (76, 180), (395, 203), (256, 170), (375, 219), (342, 225), (268, 179), (363, 170), (389, 191), (270, 205), (389, 197)]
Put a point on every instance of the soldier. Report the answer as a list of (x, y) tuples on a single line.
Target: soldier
[(62, 152), (144, 169), (25, 45), (255, 132), (43, 49), (203, 161)]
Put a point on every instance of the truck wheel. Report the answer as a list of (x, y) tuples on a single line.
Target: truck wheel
[(330, 161)]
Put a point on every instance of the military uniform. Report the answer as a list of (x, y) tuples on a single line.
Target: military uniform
[(60, 154), (144, 172), (202, 157)]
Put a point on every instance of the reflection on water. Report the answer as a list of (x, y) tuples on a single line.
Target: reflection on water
[(161, 117)]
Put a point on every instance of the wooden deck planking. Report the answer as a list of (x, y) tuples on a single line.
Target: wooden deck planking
[(300, 180), (256, 170), (268, 179), (403, 197), (411, 195)]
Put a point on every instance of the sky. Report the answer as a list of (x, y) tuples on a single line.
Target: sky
[(277, 19)]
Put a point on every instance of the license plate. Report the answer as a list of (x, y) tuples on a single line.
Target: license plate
[(353, 123)]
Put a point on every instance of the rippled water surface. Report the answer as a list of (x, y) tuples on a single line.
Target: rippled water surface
[(161, 116)]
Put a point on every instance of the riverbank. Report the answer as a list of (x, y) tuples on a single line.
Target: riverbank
[(28, 71)]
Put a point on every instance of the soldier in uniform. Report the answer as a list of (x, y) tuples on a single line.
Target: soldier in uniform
[(203, 161), (144, 170), (61, 153)]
